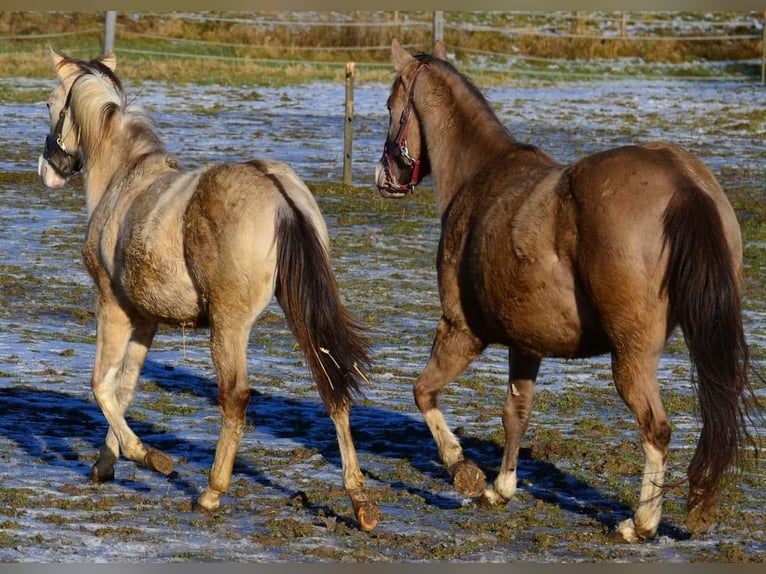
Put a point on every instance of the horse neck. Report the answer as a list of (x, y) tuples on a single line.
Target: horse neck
[(112, 136), (462, 132)]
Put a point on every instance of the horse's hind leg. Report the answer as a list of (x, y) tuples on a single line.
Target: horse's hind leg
[(516, 412), (229, 351), (452, 351), (635, 376), (365, 509), (121, 348)]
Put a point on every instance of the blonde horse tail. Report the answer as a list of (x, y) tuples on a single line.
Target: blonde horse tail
[(704, 293), (334, 344)]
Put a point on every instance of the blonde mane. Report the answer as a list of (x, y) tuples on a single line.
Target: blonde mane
[(106, 119)]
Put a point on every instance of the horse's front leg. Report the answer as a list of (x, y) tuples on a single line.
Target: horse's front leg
[(452, 351), (121, 348), (229, 350), (518, 404), (365, 508)]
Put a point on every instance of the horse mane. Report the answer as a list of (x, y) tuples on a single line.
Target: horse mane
[(475, 105), (100, 108)]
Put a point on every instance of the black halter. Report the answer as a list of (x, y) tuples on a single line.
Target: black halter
[(55, 153), (68, 163)]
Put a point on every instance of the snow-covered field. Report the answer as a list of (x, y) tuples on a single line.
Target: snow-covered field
[(286, 502)]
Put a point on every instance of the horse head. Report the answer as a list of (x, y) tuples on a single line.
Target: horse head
[(62, 154), (405, 156)]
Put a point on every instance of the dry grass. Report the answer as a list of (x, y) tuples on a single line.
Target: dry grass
[(232, 48)]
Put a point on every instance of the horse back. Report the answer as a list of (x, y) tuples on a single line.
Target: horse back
[(538, 254), (166, 245), (621, 196)]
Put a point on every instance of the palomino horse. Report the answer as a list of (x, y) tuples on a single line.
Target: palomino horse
[(604, 255), (208, 247)]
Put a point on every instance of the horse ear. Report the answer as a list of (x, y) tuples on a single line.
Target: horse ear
[(400, 56), (109, 60), (440, 51), (55, 57), (62, 64)]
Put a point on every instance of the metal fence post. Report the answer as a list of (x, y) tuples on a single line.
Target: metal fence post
[(438, 26), (348, 129), (111, 23)]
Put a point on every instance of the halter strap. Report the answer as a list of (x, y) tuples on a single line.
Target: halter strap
[(399, 147), (55, 152)]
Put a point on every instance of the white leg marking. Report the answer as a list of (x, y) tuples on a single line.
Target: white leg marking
[(650, 505), (450, 450), (503, 488), (627, 529), (647, 516), (106, 395)]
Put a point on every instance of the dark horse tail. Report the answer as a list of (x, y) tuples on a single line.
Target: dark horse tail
[(333, 343), (704, 293)]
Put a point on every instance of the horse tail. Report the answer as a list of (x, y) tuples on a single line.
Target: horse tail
[(703, 288), (333, 342)]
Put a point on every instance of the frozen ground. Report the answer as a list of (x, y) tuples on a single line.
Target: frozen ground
[(286, 503)]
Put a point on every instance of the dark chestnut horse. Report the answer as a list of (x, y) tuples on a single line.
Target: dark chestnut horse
[(605, 255)]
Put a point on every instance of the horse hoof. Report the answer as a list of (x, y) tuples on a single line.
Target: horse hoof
[(365, 509), (700, 518), (158, 461), (208, 501), (368, 515), (100, 473), (626, 532), (490, 497), (469, 480)]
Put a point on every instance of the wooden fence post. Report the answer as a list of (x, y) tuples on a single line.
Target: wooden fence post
[(578, 24), (763, 52), (348, 131)]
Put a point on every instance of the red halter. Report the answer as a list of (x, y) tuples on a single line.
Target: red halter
[(398, 148)]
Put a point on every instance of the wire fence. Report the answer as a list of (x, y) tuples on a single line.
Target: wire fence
[(714, 46)]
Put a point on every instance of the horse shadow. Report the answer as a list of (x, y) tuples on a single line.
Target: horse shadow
[(43, 422), (63, 430), (400, 436), (56, 428)]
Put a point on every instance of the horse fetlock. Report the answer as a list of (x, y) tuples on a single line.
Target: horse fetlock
[(629, 531), (159, 461), (209, 500), (451, 454), (469, 479), (365, 509), (501, 491)]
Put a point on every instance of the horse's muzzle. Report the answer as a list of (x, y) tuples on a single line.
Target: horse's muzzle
[(386, 187), (49, 175), (56, 165)]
